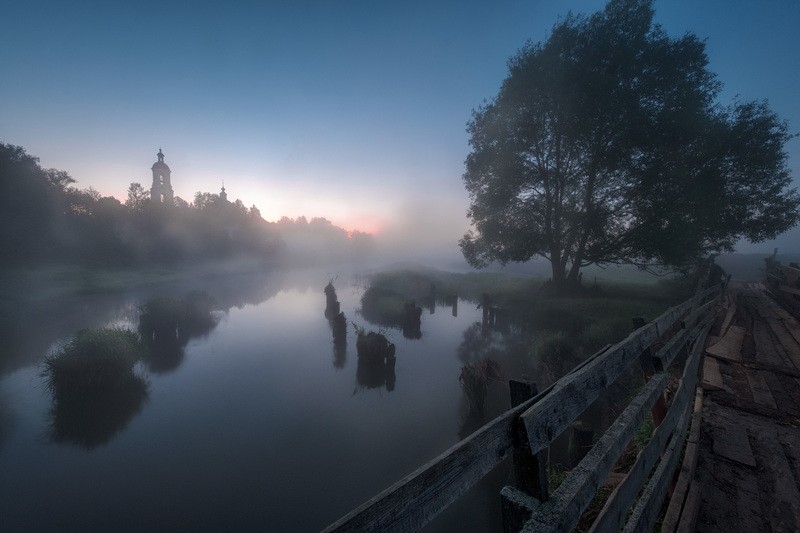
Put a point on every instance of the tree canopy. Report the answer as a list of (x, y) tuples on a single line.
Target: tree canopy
[(606, 145), (45, 219)]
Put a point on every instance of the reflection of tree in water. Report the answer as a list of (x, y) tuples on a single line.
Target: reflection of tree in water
[(94, 387), (164, 355), (483, 399), (384, 307), (476, 345), (412, 321), (92, 420), (166, 326)]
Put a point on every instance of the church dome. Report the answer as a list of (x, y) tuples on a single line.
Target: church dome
[(160, 163)]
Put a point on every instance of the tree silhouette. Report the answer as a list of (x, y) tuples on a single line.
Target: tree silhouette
[(605, 145)]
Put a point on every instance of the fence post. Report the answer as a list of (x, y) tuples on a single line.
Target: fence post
[(581, 440), (530, 471), (659, 410)]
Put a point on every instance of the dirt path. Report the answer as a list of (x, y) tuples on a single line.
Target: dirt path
[(749, 456)]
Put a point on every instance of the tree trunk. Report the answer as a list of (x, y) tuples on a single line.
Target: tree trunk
[(574, 274), (559, 272)]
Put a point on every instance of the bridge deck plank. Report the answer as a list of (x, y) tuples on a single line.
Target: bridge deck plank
[(749, 448)]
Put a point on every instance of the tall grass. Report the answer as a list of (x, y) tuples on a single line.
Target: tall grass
[(474, 379)]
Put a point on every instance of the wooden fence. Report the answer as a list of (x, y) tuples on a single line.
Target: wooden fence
[(783, 281), (526, 431)]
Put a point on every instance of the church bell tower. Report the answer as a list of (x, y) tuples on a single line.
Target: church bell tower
[(161, 191)]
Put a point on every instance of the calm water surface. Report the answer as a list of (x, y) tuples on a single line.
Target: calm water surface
[(259, 425)]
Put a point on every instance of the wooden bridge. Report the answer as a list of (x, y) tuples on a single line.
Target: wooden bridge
[(735, 428)]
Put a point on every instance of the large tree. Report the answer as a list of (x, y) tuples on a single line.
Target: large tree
[(606, 145)]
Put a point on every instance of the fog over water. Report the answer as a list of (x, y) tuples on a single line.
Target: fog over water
[(259, 417)]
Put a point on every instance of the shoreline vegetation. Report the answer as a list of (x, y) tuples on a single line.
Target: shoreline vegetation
[(98, 378), (526, 327)]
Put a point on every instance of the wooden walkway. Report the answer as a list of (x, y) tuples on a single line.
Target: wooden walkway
[(747, 444)]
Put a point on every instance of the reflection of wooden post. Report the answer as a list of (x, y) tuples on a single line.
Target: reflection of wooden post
[(659, 410), (530, 471), (581, 439), (433, 298), (455, 305), (485, 304)]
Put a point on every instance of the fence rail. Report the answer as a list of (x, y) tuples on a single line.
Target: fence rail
[(783, 281), (527, 430)]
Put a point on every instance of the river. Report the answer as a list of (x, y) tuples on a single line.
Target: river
[(257, 424)]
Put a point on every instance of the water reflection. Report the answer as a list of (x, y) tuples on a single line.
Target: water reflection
[(338, 324), (376, 360), (94, 386), (164, 354), (384, 307), (92, 420), (166, 326), (339, 356), (332, 305), (372, 375), (412, 320)]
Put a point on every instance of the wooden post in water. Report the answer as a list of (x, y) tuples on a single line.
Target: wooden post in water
[(530, 471), (455, 305)]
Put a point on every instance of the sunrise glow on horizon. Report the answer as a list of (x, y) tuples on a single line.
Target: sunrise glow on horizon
[(357, 116)]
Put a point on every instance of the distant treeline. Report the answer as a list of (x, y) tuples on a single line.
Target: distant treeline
[(44, 218)]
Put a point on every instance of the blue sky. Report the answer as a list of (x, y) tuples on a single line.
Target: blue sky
[(351, 110)]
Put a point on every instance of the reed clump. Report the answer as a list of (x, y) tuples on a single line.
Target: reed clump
[(92, 362), (373, 347), (474, 379)]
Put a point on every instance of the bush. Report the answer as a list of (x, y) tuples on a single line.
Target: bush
[(383, 307), (93, 361)]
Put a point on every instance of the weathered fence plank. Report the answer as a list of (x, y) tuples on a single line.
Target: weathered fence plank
[(613, 514), (649, 504), (563, 510), (517, 508), (676, 508), (416, 499), (573, 393), (413, 501)]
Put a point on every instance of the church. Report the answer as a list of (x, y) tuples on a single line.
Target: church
[(161, 190)]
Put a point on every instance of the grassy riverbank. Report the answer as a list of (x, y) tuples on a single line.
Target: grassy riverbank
[(552, 333)]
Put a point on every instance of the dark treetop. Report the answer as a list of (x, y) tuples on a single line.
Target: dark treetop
[(606, 145)]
